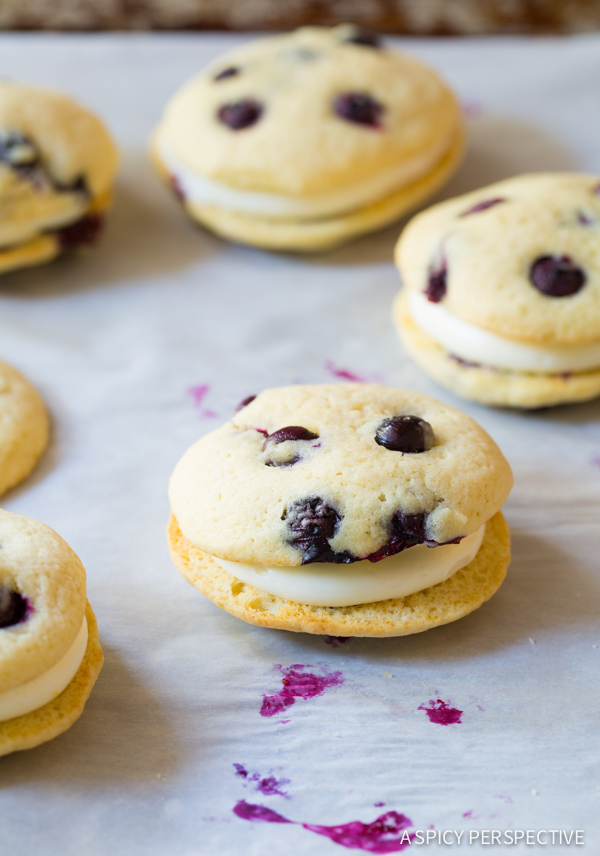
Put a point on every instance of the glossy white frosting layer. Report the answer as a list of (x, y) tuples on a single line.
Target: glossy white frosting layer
[(200, 190), (38, 692), (476, 345), (324, 584)]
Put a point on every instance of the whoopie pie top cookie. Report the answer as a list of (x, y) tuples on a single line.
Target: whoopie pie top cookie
[(57, 165), (304, 139), (49, 651), (311, 492), (505, 281)]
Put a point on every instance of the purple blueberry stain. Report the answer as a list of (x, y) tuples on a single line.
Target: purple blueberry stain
[(14, 608), (407, 530), (226, 73), (388, 833), (406, 434), (585, 219), (365, 38), (199, 393), (269, 786), (482, 206), (297, 683), (437, 281), (336, 641), (596, 461), (359, 108), (240, 114), (556, 276), (441, 713)]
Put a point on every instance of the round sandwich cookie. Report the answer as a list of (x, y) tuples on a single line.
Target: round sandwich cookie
[(50, 655), (343, 509), (57, 165), (303, 141), (24, 427), (501, 297)]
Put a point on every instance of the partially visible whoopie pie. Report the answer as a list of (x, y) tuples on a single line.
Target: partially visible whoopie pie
[(302, 141), (346, 509), (57, 165), (50, 655), (501, 297)]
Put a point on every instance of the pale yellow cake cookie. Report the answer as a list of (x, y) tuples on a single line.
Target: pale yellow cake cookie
[(315, 505), (305, 140), (24, 427), (501, 295), (57, 166), (50, 655)]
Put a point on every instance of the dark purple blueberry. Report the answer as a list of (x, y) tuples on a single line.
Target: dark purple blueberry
[(482, 206), (231, 71), (556, 276), (245, 402), (407, 530), (585, 219), (358, 107), (13, 607), (241, 114), (292, 432), (82, 233), (78, 185), (311, 523), (405, 434), (364, 37), (437, 281)]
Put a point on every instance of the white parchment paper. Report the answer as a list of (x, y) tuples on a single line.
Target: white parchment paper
[(115, 340)]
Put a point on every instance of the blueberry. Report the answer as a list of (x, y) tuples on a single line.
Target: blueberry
[(405, 434), (406, 530), (82, 233), (311, 523), (245, 402), (556, 276), (17, 150), (358, 107), (292, 432), (13, 607), (78, 185), (437, 281), (364, 37), (231, 71), (241, 114), (482, 206)]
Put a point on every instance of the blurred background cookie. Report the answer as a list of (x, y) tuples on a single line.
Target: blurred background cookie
[(24, 427), (57, 165), (305, 140), (501, 297), (347, 509), (50, 655)]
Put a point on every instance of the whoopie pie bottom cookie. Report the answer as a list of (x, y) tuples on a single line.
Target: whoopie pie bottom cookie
[(376, 513), (50, 654)]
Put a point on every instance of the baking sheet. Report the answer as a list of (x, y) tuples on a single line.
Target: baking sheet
[(150, 341)]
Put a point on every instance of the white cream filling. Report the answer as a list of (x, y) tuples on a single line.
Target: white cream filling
[(38, 692), (324, 584), (200, 190), (476, 345)]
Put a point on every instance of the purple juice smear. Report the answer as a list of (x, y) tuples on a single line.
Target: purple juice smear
[(440, 712), (386, 834), (336, 641), (269, 786), (298, 684), (199, 393), (344, 374), (482, 206)]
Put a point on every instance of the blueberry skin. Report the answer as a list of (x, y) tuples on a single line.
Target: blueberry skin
[(556, 276), (13, 607), (407, 434), (240, 114)]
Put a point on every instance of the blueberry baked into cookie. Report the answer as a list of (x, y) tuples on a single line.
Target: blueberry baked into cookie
[(302, 141), (57, 165), (346, 509), (501, 297), (50, 655)]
